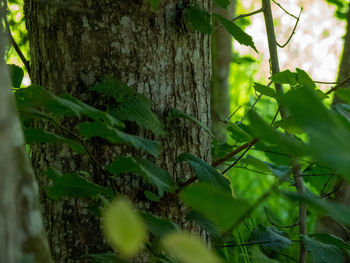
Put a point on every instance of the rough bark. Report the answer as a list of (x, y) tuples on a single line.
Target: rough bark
[(342, 195), (74, 46), (21, 229), (221, 58)]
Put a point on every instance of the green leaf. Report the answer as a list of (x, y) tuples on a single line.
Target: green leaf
[(33, 135), (285, 77), (105, 258), (124, 228), (32, 96), (304, 79), (199, 19), (150, 171), (289, 125), (206, 173), (203, 222), (282, 172), (222, 3), (102, 130), (236, 32), (343, 94), (16, 74), (74, 186), (265, 90), (178, 114), (332, 240), (337, 211), (217, 206), (238, 133), (259, 257), (188, 248), (270, 237), (321, 252), (159, 226), (154, 4)]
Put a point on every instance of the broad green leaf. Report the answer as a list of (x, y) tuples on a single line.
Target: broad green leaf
[(199, 19), (150, 171), (289, 125), (154, 4), (188, 248), (237, 33), (259, 257), (16, 74), (178, 114), (312, 175), (285, 77), (337, 211), (270, 237), (139, 111), (321, 252), (218, 206), (102, 130), (73, 186), (265, 90), (151, 196), (159, 226), (281, 172), (203, 222), (206, 173), (124, 228), (304, 79), (343, 94), (222, 3), (105, 258), (33, 135), (32, 96), (332, 240), (238, 133)]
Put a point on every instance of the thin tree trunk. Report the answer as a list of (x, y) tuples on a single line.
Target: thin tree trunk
[(221, 59), (21, 230), (72, 47)]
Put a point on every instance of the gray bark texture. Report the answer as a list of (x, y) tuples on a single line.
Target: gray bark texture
[(21, 230), (221, 58), (72, 47), (342, 195)]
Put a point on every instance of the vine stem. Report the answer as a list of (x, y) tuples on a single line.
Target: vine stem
[(272, 43)]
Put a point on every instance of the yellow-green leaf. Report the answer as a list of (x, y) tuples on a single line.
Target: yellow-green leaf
[(124, 228), (188, 248)]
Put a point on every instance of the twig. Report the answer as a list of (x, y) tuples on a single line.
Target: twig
[(271, 37), (226, 121), (276, 225), (346, 80), (293, 32), (14, 44), (280, 6), (335, 189), (254, 243), (242, 16), (238, 159)]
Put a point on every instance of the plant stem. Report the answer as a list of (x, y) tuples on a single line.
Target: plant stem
[(294, 161)]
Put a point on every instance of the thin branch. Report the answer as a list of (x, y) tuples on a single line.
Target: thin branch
[(280, 6), (346, 80), (242, 16), (254, 243), (238, 159), (293, 32), (226, 121), (276, 225), (335, 189), (326, 82)]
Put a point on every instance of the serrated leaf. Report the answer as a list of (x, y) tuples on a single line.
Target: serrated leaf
[(206, 173), (270, 237), (203, 222), (16, 74), (33, 135), (219, 207), (102, 130), (332, 240), (199, 19), (285, 77), (321, 252), (124, 228), (222, 3), (178, 114), (289, 124), (236, 32), (159, 226), (265, 90), (337, 211), (150, 171), (188, 248), (74, 186)]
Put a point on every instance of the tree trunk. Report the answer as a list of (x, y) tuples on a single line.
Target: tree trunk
[(221, 58), (72, 47), (22, 235), (327, 224)]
